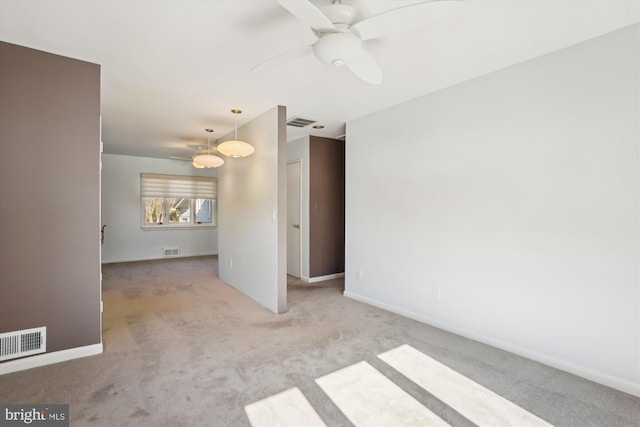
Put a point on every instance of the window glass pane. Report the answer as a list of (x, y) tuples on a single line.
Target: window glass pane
[(203, 211), (179, 210), (153, 210)]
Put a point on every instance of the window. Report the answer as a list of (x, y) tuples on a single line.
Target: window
[(177, 201)]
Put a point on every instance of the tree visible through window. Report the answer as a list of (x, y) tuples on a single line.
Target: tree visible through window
[(153, 210), (179, 210)]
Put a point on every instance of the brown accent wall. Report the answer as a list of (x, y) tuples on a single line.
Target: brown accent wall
[(49, 196), (326, 206)]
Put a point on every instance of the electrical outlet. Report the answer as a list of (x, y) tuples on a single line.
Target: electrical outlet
[(359, 274), (436, 293)]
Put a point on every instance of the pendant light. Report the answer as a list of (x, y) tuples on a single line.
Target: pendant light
[(236, 148), (207, 160)]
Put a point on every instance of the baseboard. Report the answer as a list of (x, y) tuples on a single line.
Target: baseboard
[(114, 261), (321, 278), (49, 358), (581, 371)]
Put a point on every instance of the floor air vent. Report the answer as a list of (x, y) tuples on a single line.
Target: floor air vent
[(23, 343), (299, 122), (171, 251)]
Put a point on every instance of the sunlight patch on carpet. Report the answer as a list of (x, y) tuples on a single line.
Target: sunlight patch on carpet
[(470, 399), (289, 408), (368, 398)]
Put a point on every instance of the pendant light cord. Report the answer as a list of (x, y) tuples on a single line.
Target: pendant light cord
[(236, 112), (209, 131)]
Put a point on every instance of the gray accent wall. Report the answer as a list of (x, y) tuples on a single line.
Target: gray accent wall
[(326, 206), (252, 213), (322, 205), (49, 193), (506, 209)]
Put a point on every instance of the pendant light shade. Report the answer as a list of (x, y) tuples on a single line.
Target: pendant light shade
[(207, 160), (236, 148)]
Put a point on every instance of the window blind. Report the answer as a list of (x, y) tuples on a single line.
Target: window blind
[(193, 187)]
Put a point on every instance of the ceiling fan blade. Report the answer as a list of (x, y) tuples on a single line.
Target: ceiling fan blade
[(285, 58), (405, 18), (308, 13), (366, 68)]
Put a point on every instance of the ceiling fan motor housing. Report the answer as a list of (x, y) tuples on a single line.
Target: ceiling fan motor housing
[(337, 49), (339, 13)]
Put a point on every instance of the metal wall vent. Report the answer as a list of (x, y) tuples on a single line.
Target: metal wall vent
[(23, 343), (299, 122), (171, 251)]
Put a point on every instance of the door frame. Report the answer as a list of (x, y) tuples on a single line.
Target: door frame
[(299, 162)]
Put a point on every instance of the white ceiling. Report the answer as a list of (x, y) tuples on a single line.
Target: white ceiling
[(171, 68)]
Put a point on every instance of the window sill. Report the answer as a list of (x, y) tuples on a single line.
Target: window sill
[(176, 227)]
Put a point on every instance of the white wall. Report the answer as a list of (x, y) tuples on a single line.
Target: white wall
[(252, 210), (299, 150), (517, 194), (125, 240)]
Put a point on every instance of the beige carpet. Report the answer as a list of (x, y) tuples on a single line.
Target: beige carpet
[(184, 349)]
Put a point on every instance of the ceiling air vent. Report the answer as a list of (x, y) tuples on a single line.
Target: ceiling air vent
[(299, 122)]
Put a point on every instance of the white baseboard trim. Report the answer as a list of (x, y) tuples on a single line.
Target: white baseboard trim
[(49, 358), (581, 371), (114, 261), (321, 278)]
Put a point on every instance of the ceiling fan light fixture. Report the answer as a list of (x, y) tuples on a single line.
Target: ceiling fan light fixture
[(236, 148), (337, 49)]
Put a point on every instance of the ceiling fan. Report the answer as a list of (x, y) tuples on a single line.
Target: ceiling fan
[(341, 28), (187, 159), (203, 159), (194, 163)]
